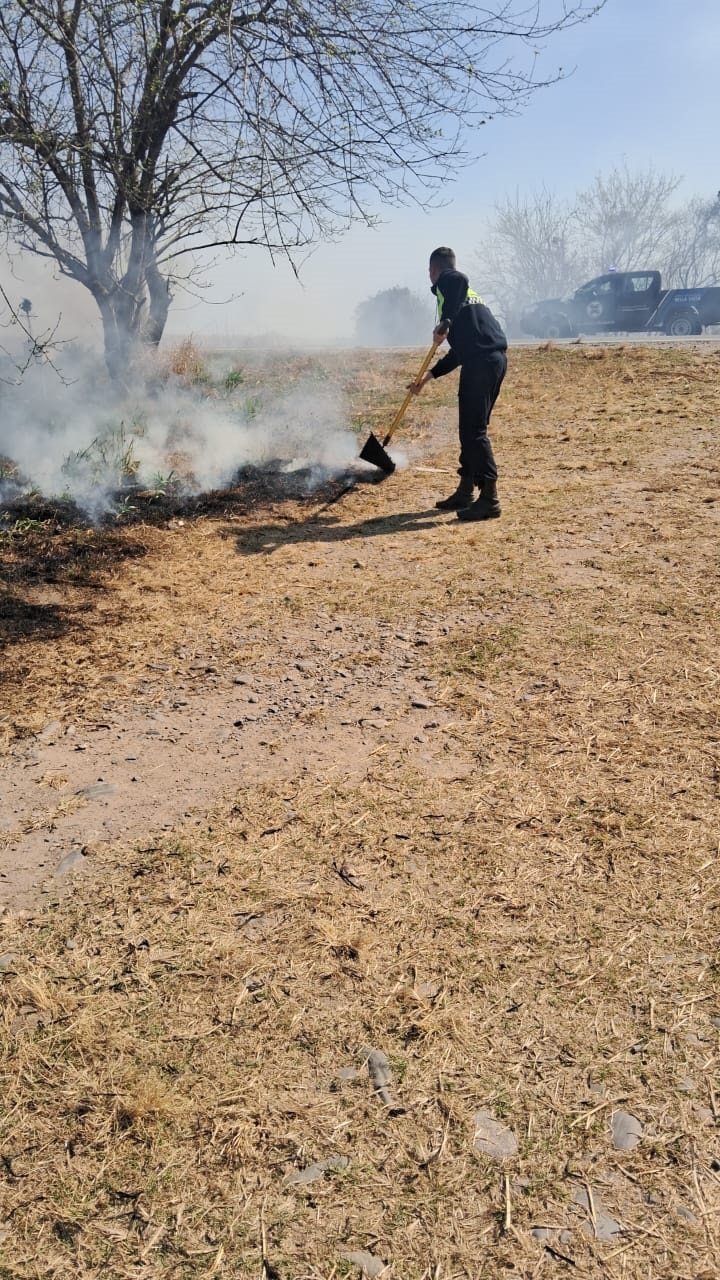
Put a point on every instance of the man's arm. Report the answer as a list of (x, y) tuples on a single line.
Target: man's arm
[(448, 362), (446, 365)]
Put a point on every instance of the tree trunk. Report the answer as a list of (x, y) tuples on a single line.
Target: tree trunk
[(118, 339), (160, 298), (133, 319)]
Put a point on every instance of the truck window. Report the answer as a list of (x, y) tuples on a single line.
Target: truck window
[(639, 284), (601, 284)]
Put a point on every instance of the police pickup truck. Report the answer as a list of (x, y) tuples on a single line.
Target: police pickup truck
[(624, 302)]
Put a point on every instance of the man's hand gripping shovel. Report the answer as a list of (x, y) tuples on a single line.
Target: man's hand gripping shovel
[(373, 451)]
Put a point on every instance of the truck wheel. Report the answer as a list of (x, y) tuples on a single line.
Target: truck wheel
[(557, 327), (683, 324)]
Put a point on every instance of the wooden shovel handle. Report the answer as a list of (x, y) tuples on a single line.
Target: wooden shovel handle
[(401, 411)]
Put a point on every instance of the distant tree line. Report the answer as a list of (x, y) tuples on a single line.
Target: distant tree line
[(394, 318)]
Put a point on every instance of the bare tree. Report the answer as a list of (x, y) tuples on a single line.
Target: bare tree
[(626, 218), (532, 251), (133, 132), (694, 257)]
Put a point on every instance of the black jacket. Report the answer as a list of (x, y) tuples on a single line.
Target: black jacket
[(474, 332)]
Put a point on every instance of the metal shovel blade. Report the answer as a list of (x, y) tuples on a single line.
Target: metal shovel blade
[(373, 452)]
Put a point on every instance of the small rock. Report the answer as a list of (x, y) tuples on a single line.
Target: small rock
[(347, 1073), (686, 1215), (626, 1130), (492, 1138), (687, 1085), (421, 703), (302, 1177), (29, 1019), (605, 1228), (553, 1234), (50, 732), (367, 1263), (428, 990), (381, 1077), (69, 861), (7, 961), (70, 945), (96, 791)]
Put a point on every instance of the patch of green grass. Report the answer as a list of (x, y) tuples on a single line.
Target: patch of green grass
[(22, 526), (233, 379), (252, 407), (165, 482)]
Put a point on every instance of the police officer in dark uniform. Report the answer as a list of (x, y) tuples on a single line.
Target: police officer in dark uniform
[(479, 347)]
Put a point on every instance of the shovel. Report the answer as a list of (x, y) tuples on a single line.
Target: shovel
[(373, 451)]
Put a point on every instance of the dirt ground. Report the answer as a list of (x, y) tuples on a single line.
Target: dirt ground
[(360, 866)]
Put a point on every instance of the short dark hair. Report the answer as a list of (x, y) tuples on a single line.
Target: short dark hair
[(443, 257)]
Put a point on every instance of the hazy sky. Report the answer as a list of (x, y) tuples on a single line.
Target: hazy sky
[(645, 87)]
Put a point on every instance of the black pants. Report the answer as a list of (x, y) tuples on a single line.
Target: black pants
[(480, 383)]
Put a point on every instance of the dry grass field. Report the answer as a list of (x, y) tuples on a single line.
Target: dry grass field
[(426, 984)]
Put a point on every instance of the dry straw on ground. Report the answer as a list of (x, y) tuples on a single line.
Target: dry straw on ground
[(510, 891)]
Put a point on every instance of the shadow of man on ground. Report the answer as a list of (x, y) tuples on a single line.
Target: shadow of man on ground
[(266, 538)]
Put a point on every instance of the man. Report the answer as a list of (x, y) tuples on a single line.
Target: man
[(479, 347)]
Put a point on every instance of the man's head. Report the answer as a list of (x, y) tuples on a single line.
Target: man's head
[(442, 259)]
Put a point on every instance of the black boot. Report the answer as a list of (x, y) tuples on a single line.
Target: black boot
[(486, 507), (462, 497)]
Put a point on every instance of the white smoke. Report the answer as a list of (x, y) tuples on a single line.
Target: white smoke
[(73, 436)]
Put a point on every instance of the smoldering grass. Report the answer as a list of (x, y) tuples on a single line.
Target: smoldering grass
[(177, 425), (109, 458)]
